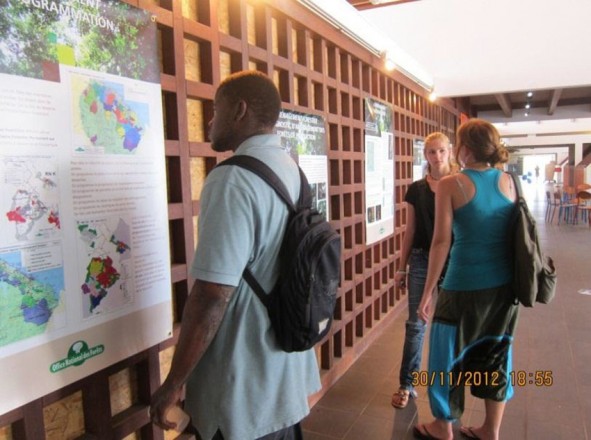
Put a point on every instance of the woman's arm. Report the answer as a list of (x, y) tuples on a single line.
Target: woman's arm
[(442, 235), (409, 234)]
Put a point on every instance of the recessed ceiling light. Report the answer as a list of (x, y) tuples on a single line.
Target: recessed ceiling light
[(530, 94), (526, 114), (527, 105)]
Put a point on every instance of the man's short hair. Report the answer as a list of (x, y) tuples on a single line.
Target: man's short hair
[(258, 91)]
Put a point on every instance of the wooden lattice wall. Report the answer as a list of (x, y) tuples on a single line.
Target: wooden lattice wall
[(317, 70)]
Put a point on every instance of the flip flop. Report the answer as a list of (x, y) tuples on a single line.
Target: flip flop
[(400, 398), (468, 432), (426, 435)]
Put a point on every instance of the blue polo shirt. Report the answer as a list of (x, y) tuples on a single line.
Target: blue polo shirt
[(245, 385)]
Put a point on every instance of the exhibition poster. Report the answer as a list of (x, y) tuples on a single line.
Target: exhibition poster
[(303, 136), (379, 171), (84, 251)]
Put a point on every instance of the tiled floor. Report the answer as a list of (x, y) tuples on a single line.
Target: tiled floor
[(554, 337)]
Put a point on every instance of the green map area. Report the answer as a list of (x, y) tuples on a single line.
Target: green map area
[(26, 303)]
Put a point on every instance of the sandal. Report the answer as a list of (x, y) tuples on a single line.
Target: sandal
[(423, 434), (400, 398)]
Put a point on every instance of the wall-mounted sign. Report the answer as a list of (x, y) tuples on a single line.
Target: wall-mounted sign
[(379, 171), (419, 163), (303, 135), (84, 253)]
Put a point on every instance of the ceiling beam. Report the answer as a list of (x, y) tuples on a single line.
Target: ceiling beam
[(554, 101), (505, 103)]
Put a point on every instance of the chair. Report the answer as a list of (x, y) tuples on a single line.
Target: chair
[(569, 193), (567, 208), (584, 207), (551, 205)]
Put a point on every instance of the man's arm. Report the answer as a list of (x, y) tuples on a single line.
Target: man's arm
[(202, 316)]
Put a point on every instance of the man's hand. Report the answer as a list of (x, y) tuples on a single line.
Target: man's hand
[(163, 399)]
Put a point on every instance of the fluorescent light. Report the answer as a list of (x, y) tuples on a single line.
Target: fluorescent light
[(389, 62)]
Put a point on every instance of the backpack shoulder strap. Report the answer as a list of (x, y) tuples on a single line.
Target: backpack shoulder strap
[(262, 170), (517, 183)]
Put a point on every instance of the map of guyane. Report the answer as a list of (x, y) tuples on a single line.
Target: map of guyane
[(110, 123)]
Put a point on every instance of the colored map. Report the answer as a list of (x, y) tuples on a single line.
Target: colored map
[(105, 121), (107, 270), (29, 298), (29, 198)]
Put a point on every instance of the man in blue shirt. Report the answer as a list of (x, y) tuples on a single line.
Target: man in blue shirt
[(239, 383)]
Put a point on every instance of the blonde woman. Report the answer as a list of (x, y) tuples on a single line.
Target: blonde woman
[(475, 317), (420, 213)]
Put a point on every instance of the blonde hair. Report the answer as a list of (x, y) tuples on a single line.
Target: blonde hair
[(436, 136)]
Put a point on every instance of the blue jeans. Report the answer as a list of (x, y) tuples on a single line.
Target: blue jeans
[(415, 328)]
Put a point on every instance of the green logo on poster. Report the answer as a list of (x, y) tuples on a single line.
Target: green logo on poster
[(78, 353)]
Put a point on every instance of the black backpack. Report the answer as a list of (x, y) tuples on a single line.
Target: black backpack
[(301, 304)]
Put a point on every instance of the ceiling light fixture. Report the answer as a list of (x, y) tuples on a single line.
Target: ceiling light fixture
[(389, 63), (433, 96), (527, 105), (530, 94)]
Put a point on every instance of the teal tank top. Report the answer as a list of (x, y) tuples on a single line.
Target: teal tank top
[(479, 257)]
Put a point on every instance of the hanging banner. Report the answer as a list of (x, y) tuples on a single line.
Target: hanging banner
[(379, 171), (84, 252), (304, 138)]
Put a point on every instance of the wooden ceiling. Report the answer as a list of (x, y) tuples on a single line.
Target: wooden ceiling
[(549, 100)]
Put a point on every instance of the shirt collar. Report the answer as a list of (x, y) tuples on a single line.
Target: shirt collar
[(259, 140)]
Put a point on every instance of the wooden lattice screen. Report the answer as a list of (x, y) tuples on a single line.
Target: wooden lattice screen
[(317, 70)]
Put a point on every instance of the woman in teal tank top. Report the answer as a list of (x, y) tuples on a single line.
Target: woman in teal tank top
[(475, 317)]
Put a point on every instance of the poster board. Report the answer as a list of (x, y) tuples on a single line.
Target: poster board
[(84, 250), (379, 170), (419, 163), (303, 136)]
